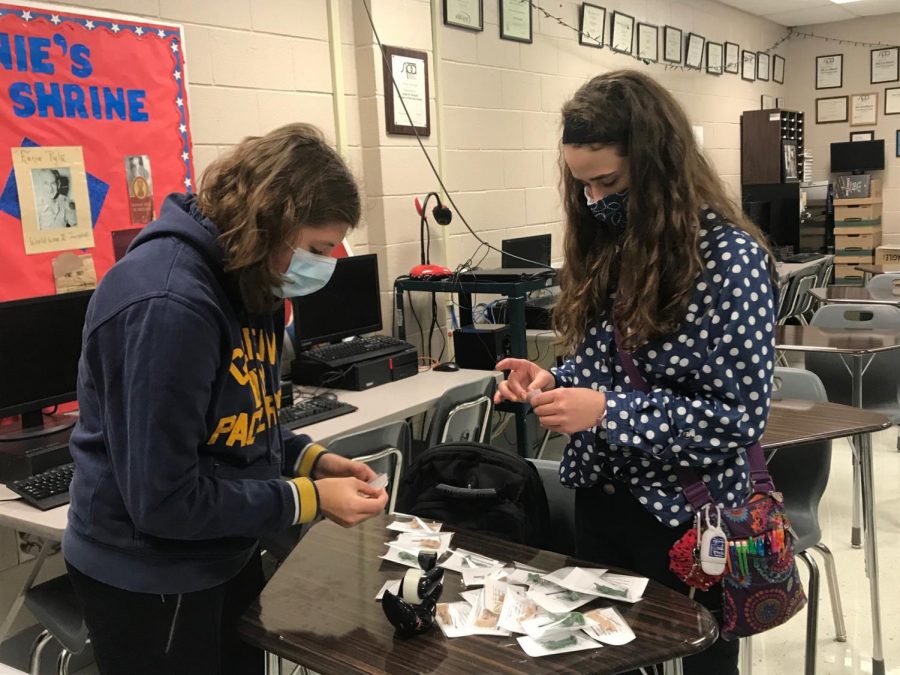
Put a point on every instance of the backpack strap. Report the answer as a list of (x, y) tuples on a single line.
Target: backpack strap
[(695, 490)]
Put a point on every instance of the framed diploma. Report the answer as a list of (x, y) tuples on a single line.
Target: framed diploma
[(830, 71), (593, 23), (648, 42), (622, 33), (672, 44), (515, 20), (693, 56), (767, 102), (863, 109), (748, 66), (466, 14), (831, 109), (762, 66), (409, 70), (885, 65), (892, 101), (714, 58), (778, 69), (862, 136), (732, 58)]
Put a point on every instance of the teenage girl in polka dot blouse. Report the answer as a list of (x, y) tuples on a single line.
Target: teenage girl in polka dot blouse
[(656, 249)]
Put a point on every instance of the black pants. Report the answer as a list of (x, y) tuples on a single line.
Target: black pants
[(188, 634), (616, 530)]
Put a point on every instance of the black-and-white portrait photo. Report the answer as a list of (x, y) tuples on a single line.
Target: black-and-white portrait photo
[(55, 208), (138, 167)]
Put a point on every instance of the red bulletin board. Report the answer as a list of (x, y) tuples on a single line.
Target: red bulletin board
[(113, 86)]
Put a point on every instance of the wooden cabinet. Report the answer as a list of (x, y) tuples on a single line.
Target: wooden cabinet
[(772, 142)]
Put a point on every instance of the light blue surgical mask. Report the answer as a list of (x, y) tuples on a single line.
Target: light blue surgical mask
[(611, 209), (307, 273)]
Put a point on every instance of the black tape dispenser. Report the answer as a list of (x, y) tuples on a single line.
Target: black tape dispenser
[(412, 611)]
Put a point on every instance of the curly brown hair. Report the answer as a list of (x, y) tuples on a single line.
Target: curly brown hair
[(263, 191), (652, 267)]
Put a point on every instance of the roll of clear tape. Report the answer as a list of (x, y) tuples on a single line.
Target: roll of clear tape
[(409, 587)]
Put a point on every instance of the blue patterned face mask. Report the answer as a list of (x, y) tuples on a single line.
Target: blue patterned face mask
[(611, 209)]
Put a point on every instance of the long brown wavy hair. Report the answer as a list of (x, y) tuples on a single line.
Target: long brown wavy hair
[(653, 266), (263, 191)]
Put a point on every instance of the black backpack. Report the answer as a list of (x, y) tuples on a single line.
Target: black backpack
[(479, 488)]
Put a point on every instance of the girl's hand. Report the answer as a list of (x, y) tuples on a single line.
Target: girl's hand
[(569, 409), (524, 376)]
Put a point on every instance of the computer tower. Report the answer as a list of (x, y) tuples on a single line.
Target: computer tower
[(356, 376), (481, 346)]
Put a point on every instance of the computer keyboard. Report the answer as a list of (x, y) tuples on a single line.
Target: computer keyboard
[(344, 353), (802, 257), (46, 490), (312, 410)]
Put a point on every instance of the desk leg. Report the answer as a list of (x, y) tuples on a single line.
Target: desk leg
[(867, 484), (399, 313), (856, 372), (46, 547), (515, 308)]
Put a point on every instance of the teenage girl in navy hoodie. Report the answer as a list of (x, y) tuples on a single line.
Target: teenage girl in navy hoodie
[(179, 455)]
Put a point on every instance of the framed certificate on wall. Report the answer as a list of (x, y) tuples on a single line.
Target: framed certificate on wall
[(693, 56), (714, 58), (762, 66), (831, 109), (593, 22), (648, 42), (732, 58), (466, 14), (672, 44), (830, 71), (748, 66), (863, 109), (622, 33), (515, 20), (778, 69), (409, 69), (892, 101), (885, 66)]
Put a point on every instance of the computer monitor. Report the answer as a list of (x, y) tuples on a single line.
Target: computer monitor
[(40, 344), (349, 304), (857, 156), (526, 251)]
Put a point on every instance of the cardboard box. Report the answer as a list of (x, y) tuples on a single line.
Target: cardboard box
[(857, 212), (851, 257), (847, 275), (856, 227), (867, 241), (888, 256)]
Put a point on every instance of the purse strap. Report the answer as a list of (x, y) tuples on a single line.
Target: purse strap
[(695, 490)]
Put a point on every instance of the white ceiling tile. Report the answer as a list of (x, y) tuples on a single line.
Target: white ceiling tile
[(873, 7), (802, 17)]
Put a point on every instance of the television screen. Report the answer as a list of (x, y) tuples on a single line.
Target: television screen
[(857, 156)]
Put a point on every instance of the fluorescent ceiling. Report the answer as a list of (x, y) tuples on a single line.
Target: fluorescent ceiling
[(805, 12)]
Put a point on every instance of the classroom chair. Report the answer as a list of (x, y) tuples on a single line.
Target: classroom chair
[(56, 607), (889, 282), (801, 475), (561, 501), (462, 413), (383, 448), (881, 386)]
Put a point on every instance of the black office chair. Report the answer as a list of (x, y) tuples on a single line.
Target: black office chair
[(57, 608), (561, 501), (801, 474), (463, 413)]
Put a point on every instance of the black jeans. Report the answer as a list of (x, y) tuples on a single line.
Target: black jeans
[(187, 634), (616, 530)]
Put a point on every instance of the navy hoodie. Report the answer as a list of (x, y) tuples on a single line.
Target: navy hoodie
[(177, 448)]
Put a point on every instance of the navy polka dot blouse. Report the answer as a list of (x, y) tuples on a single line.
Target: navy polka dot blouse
[(710, 387)]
